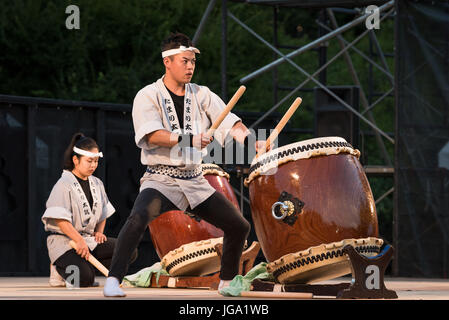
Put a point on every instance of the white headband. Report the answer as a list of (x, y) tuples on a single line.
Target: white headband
[(87, 153), (171, 52)]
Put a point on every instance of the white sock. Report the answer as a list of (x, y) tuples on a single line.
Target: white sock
[(223, 283), (112, 288)]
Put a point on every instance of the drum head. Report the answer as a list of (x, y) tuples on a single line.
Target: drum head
[(213, 169), (323, 262), (193, 259), (268, 162)]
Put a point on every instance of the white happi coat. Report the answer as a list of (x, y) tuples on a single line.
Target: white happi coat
[(67, 201), (153, 109)]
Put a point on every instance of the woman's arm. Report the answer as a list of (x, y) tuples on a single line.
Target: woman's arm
[(99, 235), (100, 226), (68, 229)]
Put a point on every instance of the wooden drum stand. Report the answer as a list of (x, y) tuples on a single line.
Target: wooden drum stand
[(367, 279)]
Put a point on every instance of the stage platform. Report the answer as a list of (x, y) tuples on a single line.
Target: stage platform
[(37, 288)]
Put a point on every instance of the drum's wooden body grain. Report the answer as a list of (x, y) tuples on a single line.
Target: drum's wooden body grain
[(338, 203), (172, 229)]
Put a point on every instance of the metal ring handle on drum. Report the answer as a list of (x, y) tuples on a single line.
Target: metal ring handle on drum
[(284, 206)]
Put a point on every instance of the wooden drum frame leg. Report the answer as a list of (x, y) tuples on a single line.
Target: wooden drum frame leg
[(368, 275)]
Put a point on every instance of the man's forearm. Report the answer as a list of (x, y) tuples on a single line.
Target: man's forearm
[(239, 132), (163, 138)]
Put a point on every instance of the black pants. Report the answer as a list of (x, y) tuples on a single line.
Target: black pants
[(103, 253), (217, 210)]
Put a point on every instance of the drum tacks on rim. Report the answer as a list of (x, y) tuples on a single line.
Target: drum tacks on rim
[(193, 259), (323, 262)]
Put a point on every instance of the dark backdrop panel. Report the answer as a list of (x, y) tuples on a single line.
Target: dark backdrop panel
[(422, 162), (13, 188)]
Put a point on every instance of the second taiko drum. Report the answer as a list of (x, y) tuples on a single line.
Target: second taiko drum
[(175, 228)]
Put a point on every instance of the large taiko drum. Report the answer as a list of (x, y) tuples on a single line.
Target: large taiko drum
[(186, 243), (311, 193)]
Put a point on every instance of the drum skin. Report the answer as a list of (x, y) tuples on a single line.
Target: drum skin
[(338, 204), (172, 229)]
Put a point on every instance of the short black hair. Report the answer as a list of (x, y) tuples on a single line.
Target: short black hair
[(175, 40)]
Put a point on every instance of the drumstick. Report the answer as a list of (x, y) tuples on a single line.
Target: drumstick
[(281, 124), (228, 108), (97, 264)]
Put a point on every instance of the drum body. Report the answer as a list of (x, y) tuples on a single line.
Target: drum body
[(219, 180), (173, 229), (331, 196)]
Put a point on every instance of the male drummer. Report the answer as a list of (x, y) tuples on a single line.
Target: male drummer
[(171, 117)]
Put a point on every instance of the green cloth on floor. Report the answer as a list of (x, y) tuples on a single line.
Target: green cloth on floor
[(143, 277), (243, 283)]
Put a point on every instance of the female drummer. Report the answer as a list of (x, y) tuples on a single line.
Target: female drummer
[(77, 209)]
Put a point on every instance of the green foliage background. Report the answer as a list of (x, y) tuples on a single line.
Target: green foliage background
[(116, 52)]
